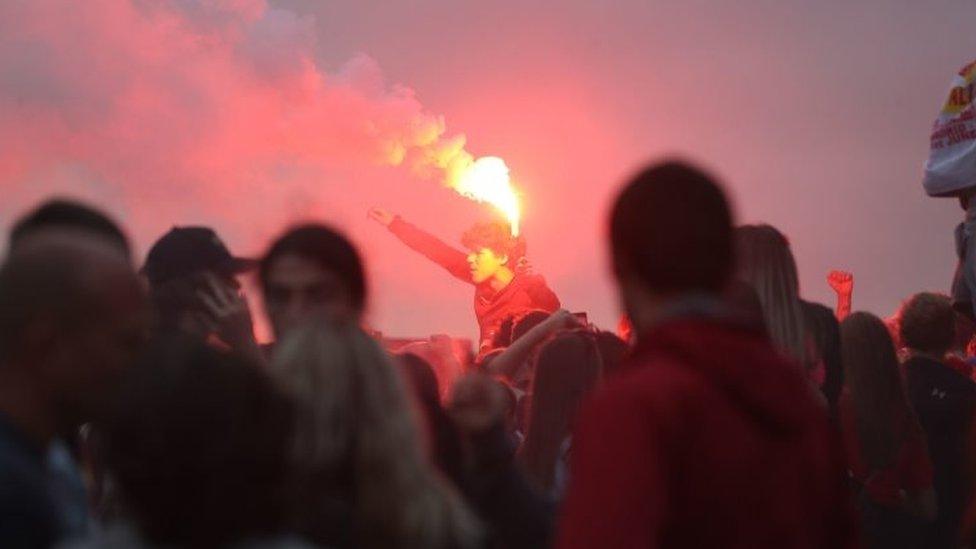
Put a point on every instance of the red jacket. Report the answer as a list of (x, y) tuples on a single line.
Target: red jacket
[(526, 292), (708, 438)]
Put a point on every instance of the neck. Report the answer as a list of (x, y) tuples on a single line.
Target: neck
[(648, 310), (24, 406), (502, 278)]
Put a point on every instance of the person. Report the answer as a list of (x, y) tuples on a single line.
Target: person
[(516, 515), (944, 400), (62, 213), (194, 289), (886, 449), (805, 331), (444, 440), (66, 453), (495, 264), (950, 171), (567, 368), (311, 269), (198, 443), (72, 319), (708, 437), (358, 452)]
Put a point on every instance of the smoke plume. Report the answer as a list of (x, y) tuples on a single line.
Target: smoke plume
[(177, 110)]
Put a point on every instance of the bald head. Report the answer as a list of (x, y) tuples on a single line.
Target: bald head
[(72, 316)]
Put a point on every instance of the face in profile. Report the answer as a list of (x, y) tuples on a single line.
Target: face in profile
[(297, 289), (485, 264)]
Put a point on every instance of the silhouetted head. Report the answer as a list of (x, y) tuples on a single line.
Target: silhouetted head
[(72, 319), (69, 215), (312, 269), (528, 321), (184, 263), (928, 324), (670, 235), (199, 445)]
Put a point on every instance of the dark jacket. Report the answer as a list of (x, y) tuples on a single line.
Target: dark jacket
[(707, 438), (944, 402)]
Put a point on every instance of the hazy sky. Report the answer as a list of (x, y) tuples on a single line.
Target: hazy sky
[(815, 114)]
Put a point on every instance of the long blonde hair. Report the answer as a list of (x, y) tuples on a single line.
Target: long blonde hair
[(766, 263), (358, 429)]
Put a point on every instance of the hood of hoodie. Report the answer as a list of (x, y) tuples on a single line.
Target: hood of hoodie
[(741, 362)]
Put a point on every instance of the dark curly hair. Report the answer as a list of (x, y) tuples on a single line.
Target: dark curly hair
[(928, 323), (497, 237)]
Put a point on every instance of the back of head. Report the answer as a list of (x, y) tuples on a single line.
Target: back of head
[(198, 444), (928, 324), (72, 313), (766, 263), (613, 350), (70, 215), (671, 231), (356, 429), (871, 370), (567, 368), (526, 322)]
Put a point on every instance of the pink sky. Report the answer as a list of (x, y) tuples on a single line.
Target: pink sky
[(815, 114)]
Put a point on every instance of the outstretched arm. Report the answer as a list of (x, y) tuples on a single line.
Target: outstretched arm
[(420, 241), (843, 283), (508, 363)]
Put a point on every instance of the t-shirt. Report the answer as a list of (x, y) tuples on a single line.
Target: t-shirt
[(911, 470)]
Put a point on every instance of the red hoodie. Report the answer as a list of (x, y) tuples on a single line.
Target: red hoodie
[(708, 438), (526, 292)]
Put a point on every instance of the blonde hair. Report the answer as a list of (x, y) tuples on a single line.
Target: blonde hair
[(357, 428), (766, 263)]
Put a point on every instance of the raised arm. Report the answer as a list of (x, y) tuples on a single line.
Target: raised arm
[(426, 244), (508, 363), (843, 284)]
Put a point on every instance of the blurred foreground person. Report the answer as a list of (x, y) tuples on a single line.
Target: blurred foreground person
[(312, 270), (945, 401), (708, 437), (495, 263), (359, 454), (198, 444), (194, 289), (72, 318), (886, 449)]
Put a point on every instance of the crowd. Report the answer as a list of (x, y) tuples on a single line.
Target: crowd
[(137, 409)]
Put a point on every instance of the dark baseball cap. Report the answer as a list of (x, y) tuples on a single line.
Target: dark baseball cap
[(187, 250)]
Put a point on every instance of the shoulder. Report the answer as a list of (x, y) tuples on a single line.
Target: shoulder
[(649, 383)]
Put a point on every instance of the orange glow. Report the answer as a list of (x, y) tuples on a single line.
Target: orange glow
[(487, 180)]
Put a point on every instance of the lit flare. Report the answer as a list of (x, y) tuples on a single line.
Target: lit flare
[(487, 180)]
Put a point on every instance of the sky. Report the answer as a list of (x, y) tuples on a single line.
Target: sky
[(250, 115)]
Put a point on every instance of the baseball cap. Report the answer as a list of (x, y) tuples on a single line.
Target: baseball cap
[(187, 250)]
